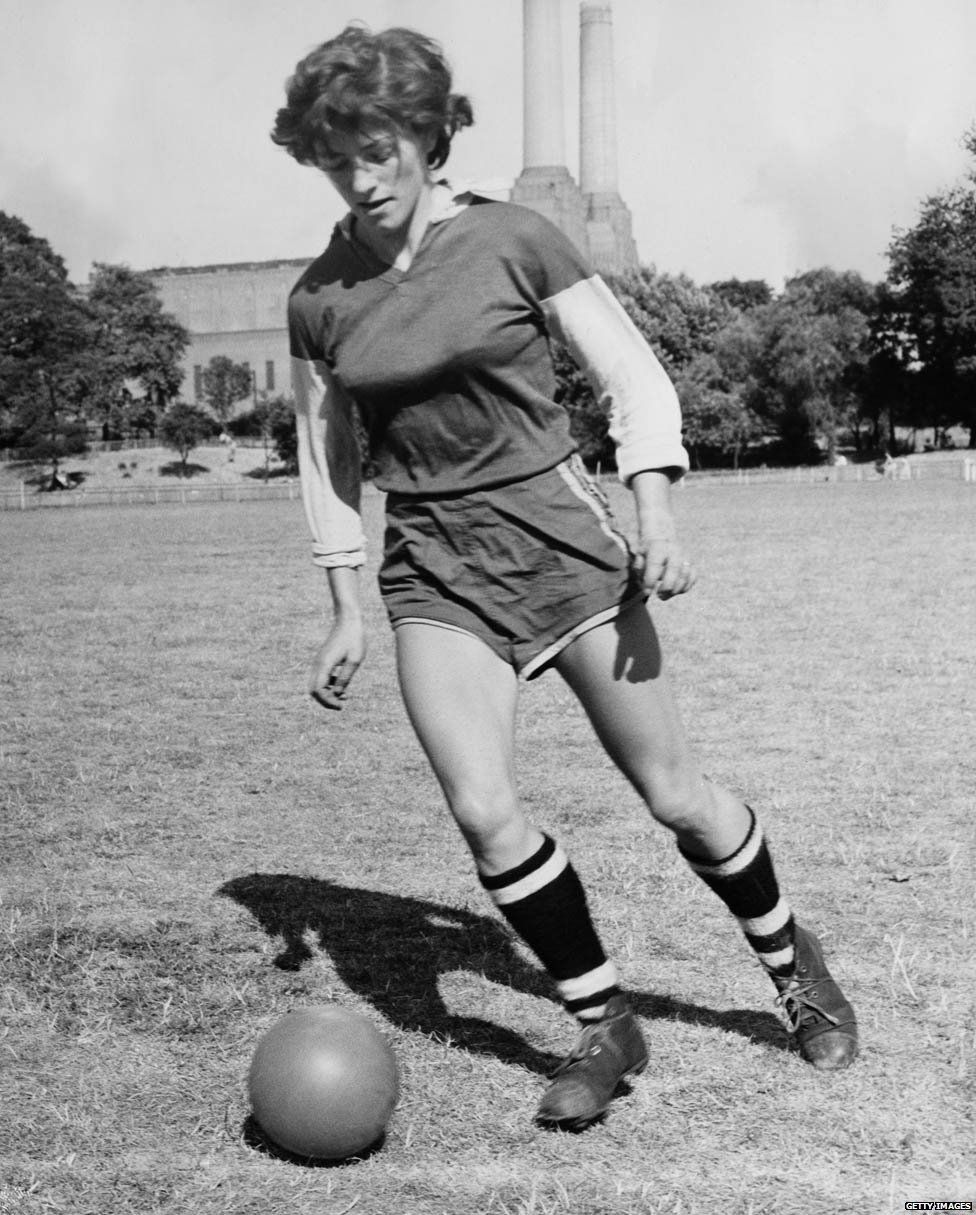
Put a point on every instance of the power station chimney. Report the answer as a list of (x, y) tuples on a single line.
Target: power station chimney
[(608, 220), (545, 183), (543, 120)]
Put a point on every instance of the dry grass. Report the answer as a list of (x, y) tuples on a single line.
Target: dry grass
[(191, 849)]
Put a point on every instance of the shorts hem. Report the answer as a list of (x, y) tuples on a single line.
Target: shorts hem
[(440, 624), (496, 646), (535, 666)]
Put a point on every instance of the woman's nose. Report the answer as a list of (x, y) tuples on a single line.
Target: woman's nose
[(363, 180)]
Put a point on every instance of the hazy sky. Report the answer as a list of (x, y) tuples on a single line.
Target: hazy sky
[(756, 138)]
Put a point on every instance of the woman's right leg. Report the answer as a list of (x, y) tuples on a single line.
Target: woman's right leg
[(461, 699)]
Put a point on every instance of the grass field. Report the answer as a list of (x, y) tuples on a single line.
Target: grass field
[(190, 848)]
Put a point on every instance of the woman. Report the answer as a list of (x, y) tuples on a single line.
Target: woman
[(433, 313)]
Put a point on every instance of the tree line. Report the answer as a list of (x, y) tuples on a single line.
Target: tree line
[(763, 376), (786, 377)]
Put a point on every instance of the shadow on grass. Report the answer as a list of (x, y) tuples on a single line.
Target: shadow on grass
[(255, 1138), (390, 949), (276, 473), (176, 469), (762, 1028)]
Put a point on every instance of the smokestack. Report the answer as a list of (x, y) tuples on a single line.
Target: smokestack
[(545, 183), (544, 132), (598, 128), (608, 223)]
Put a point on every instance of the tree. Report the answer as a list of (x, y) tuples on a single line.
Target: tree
[(814, 354), (272, 420), (932, 277), (26, 255), (46, 341), (684, 325), (679, 319), (182, 428), (716, 415), (743, 295), (224, 383), (283, 431), (137, 342), (889, 395)]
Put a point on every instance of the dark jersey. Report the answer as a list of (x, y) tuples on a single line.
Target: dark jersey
[(449, 362)]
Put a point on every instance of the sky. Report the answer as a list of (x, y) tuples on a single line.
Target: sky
[(756, 138)]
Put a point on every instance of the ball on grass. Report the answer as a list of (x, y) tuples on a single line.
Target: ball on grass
[(323, 1083)]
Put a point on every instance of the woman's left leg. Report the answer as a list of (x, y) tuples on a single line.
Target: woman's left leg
[(616, 670), (461, 699)]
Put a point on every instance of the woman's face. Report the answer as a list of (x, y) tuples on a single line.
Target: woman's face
[(381, 175)]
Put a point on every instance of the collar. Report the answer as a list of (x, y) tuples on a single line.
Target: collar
[(447, 201)]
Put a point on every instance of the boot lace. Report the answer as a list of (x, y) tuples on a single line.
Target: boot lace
[(799, 1007), (587, 1044)]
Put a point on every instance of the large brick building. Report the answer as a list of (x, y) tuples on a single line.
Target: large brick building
[(234, 310)]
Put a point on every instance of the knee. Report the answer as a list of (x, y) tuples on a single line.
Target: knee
[(677, 799), (488, 817)]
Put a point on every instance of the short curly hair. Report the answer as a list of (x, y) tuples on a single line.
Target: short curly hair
[(358, 80)]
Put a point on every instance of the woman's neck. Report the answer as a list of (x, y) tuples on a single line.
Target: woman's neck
[(398, 249)]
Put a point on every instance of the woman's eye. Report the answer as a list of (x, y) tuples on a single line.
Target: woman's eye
[(379, 153)]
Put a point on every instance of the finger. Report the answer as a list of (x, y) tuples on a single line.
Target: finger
[(327, 698), (652, 568), (331, 692), (679, 578)]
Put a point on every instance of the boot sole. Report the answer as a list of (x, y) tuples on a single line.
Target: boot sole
[(581, 1123)]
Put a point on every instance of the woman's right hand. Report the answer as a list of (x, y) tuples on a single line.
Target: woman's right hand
[(337, 661)]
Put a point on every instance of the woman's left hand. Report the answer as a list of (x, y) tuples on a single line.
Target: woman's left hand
[(659, 557), (664, 568)]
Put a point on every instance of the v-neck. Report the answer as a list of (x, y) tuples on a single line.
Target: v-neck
[(449, 207)]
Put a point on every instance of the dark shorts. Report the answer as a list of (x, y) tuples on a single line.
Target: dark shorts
[(525, 567)]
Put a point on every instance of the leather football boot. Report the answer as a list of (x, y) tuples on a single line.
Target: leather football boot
[(821, 1021), (605, 1053)]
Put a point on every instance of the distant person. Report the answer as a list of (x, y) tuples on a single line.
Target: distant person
[(434, 311)]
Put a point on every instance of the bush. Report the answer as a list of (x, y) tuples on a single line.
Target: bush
[(184, 427)]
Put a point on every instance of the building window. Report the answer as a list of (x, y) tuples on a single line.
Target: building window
[(197, 381), (269, 375)]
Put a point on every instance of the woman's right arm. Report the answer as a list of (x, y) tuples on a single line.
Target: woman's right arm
[(329, 466), (341, 654)]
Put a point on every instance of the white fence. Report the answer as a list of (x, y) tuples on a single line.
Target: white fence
[(28, 498), (184, 493), (902, 469)]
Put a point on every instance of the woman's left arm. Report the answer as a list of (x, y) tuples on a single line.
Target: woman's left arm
[(644, 416)]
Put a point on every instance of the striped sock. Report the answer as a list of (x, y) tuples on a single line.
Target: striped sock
[(746, 884), (544, 901)]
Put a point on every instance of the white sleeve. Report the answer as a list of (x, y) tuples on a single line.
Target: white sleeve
[(329, 465), (624, 373)]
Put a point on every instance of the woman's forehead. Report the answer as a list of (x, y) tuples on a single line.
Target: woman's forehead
[(350, 142)]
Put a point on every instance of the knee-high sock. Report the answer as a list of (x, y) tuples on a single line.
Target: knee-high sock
[(544, 901), (746, 884)]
